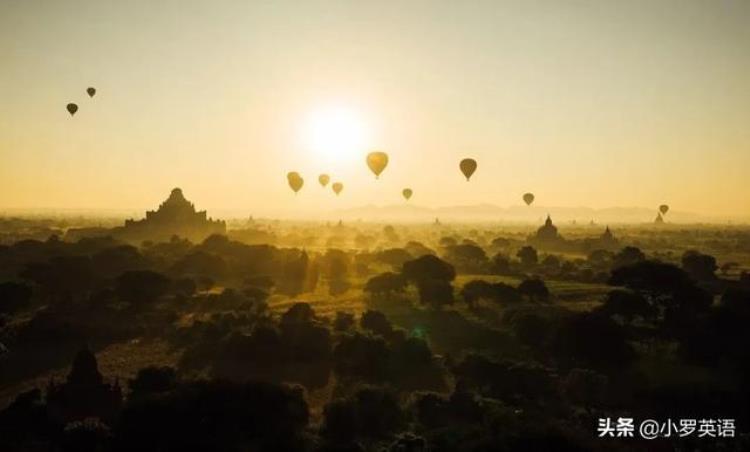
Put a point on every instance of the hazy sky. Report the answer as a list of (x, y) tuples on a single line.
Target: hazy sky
[(595, 103)]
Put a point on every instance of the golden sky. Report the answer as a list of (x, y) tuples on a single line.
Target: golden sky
[(584, 103)]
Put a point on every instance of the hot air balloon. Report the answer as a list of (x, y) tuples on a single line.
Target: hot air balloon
[(528, 198), (407, 193), (91, 91), (295, 181), (664, 209), (337, 187), (377, 161), (72, 108), (324, 179), (468, 166)]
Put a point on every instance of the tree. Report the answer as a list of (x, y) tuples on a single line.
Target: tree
[(201, 263), (435, 292), (215, 415), (152, 380), (428, 267), (294, 273), (372, 413), (600, 258), (344, 321), (376, 322), (505, 293), (652, 277), (585, 387), (702, 267), (385, 284), (141, 287), (338, 269), (62, 276), (14, 296), (628, 256), (501, 264), (551, 264), (475, 290), (534, 289), (500, 242), (394, 257), (628, 305), (467, 258), (528, 256), (592, 340), (447, 241), (532, 330), (111, 262)]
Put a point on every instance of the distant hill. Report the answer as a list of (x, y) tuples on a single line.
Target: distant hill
[(518, 214)]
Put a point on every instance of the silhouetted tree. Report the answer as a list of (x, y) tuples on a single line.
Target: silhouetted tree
[(371, 413), (501, 264), (385, 284), (201, 263), (363, 356), (628, 305), (591, 340), (344, 321), (475, 290), (152, 380), (111, 262), (428, 267), (701, 267), (394, 257), (436, 293), (141, 287), (528, 256), (467, 258), (534, 289), (62, 276), (532, 330), (14, 296), (376, 322), (215, 415), (585, 387), (628, 256)]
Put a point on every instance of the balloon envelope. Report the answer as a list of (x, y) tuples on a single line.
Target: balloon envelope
[(528, 198), (407, 193), (91, 91), (324, 179), (468, 166), (663, 208), (295, 181), (377, 161), (72, 108), (337, 187)]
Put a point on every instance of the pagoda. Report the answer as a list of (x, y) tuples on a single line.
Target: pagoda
[(175, 217)]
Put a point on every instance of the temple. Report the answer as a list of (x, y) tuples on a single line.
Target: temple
[(659, 219), (547, 236), (175, 216), (84, 393), (607, 241)]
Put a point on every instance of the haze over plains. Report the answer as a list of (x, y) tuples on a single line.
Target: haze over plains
[(593, 104)]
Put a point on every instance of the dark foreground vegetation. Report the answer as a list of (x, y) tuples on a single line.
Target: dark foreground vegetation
[(461, 341)]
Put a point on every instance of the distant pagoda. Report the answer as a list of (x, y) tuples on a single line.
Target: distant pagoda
[(547, 235), (659, 219), (175, 216)]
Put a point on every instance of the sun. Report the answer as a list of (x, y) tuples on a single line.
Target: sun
[(336, 134)]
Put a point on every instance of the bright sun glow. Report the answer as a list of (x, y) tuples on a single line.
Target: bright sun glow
[(336, 134)]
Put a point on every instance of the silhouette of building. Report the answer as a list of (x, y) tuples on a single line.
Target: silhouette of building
[(606, 241), (547, 236), (175, 216), (659, 219), (84, 393)]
